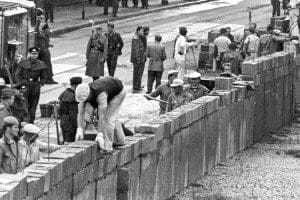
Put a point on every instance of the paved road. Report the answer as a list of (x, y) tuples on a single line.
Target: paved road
[(68, 54)]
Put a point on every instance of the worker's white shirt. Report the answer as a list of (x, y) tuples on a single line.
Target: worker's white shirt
[(222, 42), (253, 42), (180, 44)]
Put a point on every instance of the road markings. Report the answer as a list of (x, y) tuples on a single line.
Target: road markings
[(66, 55)]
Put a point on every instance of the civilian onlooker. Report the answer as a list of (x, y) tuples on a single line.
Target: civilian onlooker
[(138, 58), (115, 46), (230, 36), (286, 6), (135, 3), (96, 54), (145, 4), (221, 47), (49, 10), (6, 102), (266, 42), (10, 159), (233, 57), (251, 45), (157, 54), (181, 46)]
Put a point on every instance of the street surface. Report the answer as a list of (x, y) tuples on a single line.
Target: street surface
[(68, 54)]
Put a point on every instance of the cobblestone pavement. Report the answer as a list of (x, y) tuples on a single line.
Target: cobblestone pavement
[(269, 170)]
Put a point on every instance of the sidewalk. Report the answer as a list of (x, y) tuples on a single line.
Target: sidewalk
[(68, 18)]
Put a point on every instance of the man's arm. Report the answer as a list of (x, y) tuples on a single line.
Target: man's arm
[(121, 43), (164, 55), (157, 92)]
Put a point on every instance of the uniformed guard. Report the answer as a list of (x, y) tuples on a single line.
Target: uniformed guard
[(31, 73), (115, 46), (196, 89), (276, 7), (115, 5)]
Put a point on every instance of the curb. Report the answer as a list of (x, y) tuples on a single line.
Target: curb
[(126, 16)]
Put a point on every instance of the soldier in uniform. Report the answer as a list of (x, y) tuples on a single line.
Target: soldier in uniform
[(115, 46), (43, 43), (178, 96), (68, 110), (31, 73), (164, 91), (195, 88), (135, 3)]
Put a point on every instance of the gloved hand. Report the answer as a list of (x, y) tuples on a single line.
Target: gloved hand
[(79, 134)]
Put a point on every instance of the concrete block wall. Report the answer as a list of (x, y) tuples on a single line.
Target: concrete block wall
[(170, 151)]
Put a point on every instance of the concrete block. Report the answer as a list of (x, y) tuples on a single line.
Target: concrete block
[(107, 187), (111, 162), (242, 125), (148, 176), (164, 174), (225, 97), (287, 103), (259, 109), (269, 105), (136, 143), (180, 157), (223, 143), (196, 149), (149, 144), (55, 166), (13, 186), (78, 181), (231, 141), (279, 94), (88, 192), (249, 121), (123, 184), (223, 83), (250, 68), (37, 172), (126, 153), (135, 169), (241, 92)]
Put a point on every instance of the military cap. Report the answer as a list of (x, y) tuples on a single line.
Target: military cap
[(172, 72), (10, 120), (33, 50), (7, 93), (182, 28), (194, 75), (30, 132), (110, 25), (177, 82), (39, 11), (46, 26), (76, 80)]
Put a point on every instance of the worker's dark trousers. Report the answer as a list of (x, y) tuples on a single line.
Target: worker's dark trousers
[(115, 7), (153, 76), (32, 96), (111, 61), (138, 70), (135, 3), (276, 9)]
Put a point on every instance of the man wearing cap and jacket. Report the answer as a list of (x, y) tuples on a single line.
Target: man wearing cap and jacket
[(68, 110), (107, 95), (178, 96), (10, 148), (164, 91), (156, 54), (195, 88), (31, 73), (115, 46)]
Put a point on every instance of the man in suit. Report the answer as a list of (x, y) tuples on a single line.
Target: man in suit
[(157, 54)]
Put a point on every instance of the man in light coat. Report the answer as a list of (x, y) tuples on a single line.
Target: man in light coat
[(157, 54)]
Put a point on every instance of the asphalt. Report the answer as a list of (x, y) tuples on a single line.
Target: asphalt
[(70, 26)]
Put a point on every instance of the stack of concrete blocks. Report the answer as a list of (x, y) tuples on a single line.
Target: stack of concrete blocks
[(171, 150), (273, 80)]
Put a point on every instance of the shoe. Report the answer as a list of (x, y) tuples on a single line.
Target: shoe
[(115, 16), (105, 13), (148, 92), (136, 91)]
